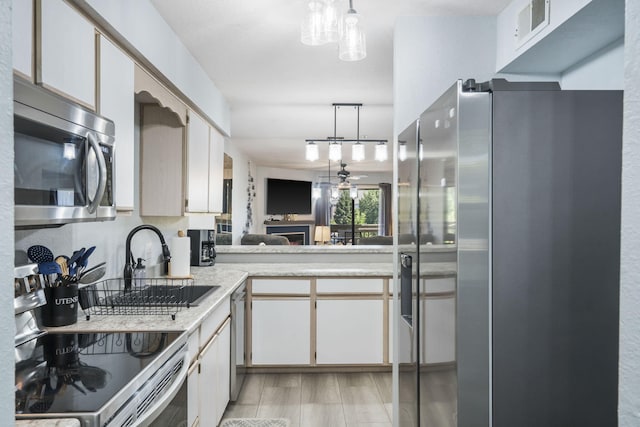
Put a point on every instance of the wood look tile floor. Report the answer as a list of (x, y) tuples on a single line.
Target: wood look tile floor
[(317, 400)]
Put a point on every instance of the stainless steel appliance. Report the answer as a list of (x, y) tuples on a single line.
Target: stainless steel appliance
[(203, 247), (64, 160), (524, 178), (106, 378), (238, 354), (100, 378)]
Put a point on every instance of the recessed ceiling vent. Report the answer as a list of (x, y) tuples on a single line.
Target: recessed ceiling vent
[(531, 19)]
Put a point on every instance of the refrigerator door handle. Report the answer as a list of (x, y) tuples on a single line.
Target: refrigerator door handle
[(406, 291)]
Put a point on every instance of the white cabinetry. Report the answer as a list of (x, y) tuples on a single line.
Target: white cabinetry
[(67, 55), (205, 163), (216, 170), (349, 321), (116, 102), (22, 16), (281, 331), (209, 373), (213, 389), (349, 331)]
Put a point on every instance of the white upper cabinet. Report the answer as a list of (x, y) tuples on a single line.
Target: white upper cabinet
[(216, 170), (205, 163), (198, 164), (67, 53), (22, 15), (116, 102)]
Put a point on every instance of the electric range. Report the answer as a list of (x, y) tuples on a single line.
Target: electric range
[(105, 378)]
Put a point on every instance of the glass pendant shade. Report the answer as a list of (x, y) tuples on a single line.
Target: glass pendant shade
[(357, 152), (335, 193), (402, 151), (335, 152), (381, 152), (353, 192), (316, 192), (312, 153), (312, 29), (331, 21), (352, 44)]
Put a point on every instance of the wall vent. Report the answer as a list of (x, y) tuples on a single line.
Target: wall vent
[(531, 19)]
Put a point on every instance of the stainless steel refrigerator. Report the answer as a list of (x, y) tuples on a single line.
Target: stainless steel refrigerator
[(523, 180)]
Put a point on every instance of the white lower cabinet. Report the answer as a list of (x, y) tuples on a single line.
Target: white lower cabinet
[(213, 389), (281, 331), (210, 370), (349, 331)]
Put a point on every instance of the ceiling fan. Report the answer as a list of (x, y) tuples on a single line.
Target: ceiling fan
[(344, 175)]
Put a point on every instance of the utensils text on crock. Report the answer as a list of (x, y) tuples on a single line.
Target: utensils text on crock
[(40, 254)]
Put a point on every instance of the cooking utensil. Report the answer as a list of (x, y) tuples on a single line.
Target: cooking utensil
[(83, 261), (40, 254), (61, 260), (93, 274), (73, 261), (50, 271)]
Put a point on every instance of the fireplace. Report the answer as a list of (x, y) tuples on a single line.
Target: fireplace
[(298, 232), (294, 238)]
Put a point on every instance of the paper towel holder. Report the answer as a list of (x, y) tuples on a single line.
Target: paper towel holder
[(203, 247)]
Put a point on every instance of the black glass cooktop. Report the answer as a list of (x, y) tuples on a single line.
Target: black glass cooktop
[(69, 372)]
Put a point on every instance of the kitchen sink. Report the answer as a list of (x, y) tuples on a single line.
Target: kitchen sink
[(186, 295)]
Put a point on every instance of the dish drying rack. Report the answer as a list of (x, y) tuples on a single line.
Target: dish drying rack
[(151, 296)]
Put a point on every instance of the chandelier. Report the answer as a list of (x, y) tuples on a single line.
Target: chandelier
[(336, 143), (323, 23)]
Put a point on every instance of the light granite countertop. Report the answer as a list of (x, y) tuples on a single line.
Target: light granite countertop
[(62, 422), (228, 277), (322, 249)]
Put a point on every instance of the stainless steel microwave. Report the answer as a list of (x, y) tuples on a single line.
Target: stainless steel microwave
[(63, 160)]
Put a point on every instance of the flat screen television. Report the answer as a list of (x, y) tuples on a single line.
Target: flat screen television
[(285, 196)]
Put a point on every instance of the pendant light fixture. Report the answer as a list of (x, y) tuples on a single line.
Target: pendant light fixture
[(323, 23), (312, 28), (336, 142), (312, 154), (353, 43)]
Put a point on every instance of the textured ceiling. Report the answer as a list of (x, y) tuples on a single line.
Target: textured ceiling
[(280, 91)]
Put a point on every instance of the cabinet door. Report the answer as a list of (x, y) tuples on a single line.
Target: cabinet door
[(22, 15), (439, 330), (193, 395), (117, 103), (161, 153), (223, 370), (197, 164), (207, 388), (216, 170), (67, 52), (281, 332), (349, 331)]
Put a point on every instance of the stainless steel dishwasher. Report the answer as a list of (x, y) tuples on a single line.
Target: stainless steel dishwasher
[(238, 356)]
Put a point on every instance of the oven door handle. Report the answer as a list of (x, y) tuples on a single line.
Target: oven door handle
[(154, 411), (102, 173)]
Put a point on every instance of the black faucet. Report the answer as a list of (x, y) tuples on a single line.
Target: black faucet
[(128, 262)]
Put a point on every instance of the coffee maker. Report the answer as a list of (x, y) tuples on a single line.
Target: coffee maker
[(203, 247)]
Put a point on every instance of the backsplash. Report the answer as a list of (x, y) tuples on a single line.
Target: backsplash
[(108, 237)]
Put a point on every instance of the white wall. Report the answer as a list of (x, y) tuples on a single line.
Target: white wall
[(239, 197), (603, 70), (7, 333), (155, 40), (431, 53), (629, 372)]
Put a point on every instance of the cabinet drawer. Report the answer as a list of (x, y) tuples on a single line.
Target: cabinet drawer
[(350, 286), (281, 286), (211, 324)]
